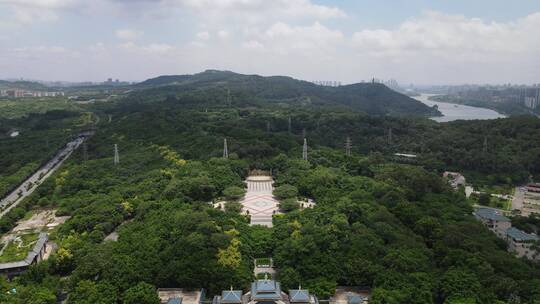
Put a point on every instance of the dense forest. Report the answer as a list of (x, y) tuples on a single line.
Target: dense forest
[(371, 98), (40, 137), (380, 222)]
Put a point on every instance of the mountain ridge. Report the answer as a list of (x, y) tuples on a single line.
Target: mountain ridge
[(371, 98)]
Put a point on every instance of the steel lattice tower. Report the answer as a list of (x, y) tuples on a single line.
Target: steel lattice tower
[(116, 155), (304, 150), (348, 146), (289, 126), (85, 152), (225, 149)]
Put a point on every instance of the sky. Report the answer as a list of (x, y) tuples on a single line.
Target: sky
[(412, 41)]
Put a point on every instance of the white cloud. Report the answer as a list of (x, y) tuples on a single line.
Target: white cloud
[(293, 8), (203, 35), (314, 38), (128, 34), (452, 36), (253, 44), (288, 37), (223, 34), (47, 4), (150, 49)]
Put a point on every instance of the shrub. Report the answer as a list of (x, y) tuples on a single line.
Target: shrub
[(285, 192)]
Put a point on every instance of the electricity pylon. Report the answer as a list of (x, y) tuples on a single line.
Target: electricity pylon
[(304, 150), (116, 155), (289, 126), (225, 149), (348, 146)]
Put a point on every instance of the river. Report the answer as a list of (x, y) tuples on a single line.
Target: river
[(452, 111)]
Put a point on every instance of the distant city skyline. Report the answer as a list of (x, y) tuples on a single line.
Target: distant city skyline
[(412, 41)]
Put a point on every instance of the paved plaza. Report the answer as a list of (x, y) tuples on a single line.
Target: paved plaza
[(259, 202)]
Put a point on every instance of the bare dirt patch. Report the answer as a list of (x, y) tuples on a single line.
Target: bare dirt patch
[(45, 219)]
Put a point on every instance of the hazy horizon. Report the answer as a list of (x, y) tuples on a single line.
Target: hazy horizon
[(402, 84), (444, 43)]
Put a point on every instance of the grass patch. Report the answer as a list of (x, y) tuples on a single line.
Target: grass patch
[(17, 251)]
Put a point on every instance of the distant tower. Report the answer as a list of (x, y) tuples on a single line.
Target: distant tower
[(268, 127), (85, 152), (304, 150), (225, 149), (289, 128), (116, 155), (348, 146), (485, 148), (390, 136)]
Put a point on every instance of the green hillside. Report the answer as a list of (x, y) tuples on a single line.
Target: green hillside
[(22, 85), (371, 98), (396, 229)]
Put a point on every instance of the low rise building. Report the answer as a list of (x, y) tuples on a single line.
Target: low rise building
[(350, 295), (531, 199), (494, 220), (521, 243), (180, 296), (302, 296), (266, 292), (228, 297), (34, 256)]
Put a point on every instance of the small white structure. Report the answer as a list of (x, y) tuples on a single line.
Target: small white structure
[(405, 155), (306, 204), (14, 133), (455, 179)]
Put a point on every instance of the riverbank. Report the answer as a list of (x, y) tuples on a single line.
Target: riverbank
[(453, 112), (503, 108)]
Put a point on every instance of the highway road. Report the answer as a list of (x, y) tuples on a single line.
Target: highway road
[(31, 183)]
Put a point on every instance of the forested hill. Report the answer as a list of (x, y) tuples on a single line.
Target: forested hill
[(371, 98), (22, 85)]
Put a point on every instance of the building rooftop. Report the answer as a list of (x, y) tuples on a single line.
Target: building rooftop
[(491, 214), (231, 296), (30, 257), (265, 290), (299, 296), (355, 299), (519, 235), (180, 296)]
